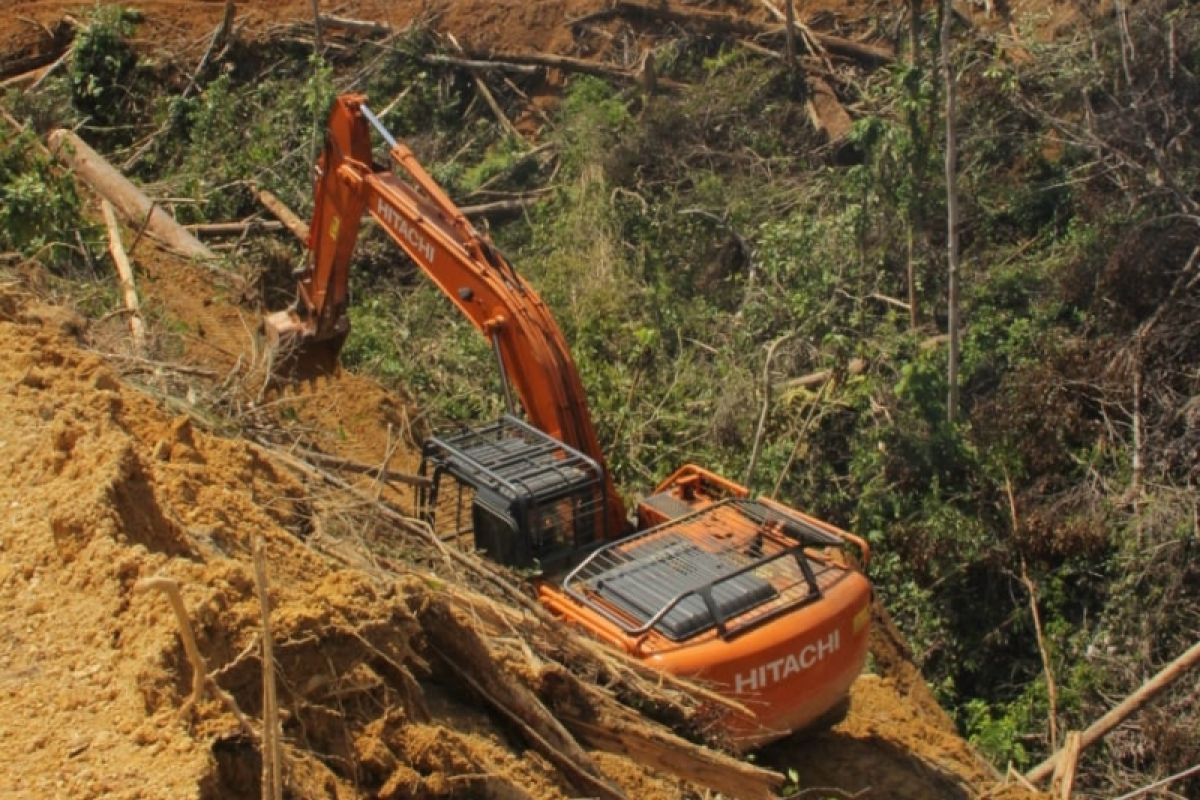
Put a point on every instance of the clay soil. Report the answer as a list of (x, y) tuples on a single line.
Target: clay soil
[(108, 481)]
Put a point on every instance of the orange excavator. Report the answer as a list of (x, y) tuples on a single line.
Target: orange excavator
[(757, 599)]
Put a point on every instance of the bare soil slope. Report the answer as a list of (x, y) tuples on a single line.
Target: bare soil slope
[(104, 489)]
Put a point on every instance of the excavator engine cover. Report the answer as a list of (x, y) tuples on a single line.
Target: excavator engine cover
[(534, 501)]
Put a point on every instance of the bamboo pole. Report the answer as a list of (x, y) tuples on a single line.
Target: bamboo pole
[(272, 774), (137, 328), (1123, 710)]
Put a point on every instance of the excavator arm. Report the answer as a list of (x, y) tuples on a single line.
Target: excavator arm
[(416, 213)]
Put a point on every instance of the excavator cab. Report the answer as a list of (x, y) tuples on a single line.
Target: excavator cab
[(532, 501)]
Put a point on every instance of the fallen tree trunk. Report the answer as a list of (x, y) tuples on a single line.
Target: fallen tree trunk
[(715, 21), (31, 64), (361, 26), (110, 184), (718, 22), (869, 53), (471, 63), (28, 81), (1126, 708), (642, 685), (234, 228), (346, 464), (499, 207), (571, 64), (593, 714)]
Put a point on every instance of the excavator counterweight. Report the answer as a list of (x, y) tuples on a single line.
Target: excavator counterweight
[(764, 602)]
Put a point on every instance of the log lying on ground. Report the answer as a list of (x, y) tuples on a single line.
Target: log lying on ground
[(59, 46), (501, 207), (364, 27), (289, 218), (663, 751), (30, 80), (589, 712), (233, 228), (536, 672), (477, 64), (110, 184), (572, 64), (638, 683), (1127, 707), (717, 22)]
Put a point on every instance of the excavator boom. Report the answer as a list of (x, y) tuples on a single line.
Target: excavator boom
[(425, 223)]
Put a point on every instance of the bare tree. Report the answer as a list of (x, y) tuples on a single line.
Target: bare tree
[(951, 212), (916, 158)]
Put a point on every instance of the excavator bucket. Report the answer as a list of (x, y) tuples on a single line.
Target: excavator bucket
[(295, 348)]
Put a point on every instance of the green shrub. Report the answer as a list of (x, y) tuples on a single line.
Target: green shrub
[(40, 211), (102, 63)]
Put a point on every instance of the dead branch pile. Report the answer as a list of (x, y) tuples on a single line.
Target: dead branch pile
[(474, 628)]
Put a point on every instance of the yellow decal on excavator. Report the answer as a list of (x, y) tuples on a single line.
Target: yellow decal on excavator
[(334, 227), (861, 618)]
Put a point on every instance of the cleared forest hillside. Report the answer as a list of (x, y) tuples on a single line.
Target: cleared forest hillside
[(743, 235)]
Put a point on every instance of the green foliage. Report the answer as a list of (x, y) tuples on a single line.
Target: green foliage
[(593, 117), (266, 132), (420, 100), (38, 204), (496, 160), (101, 64), (414, 339), (318, 91), (996, 736)]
